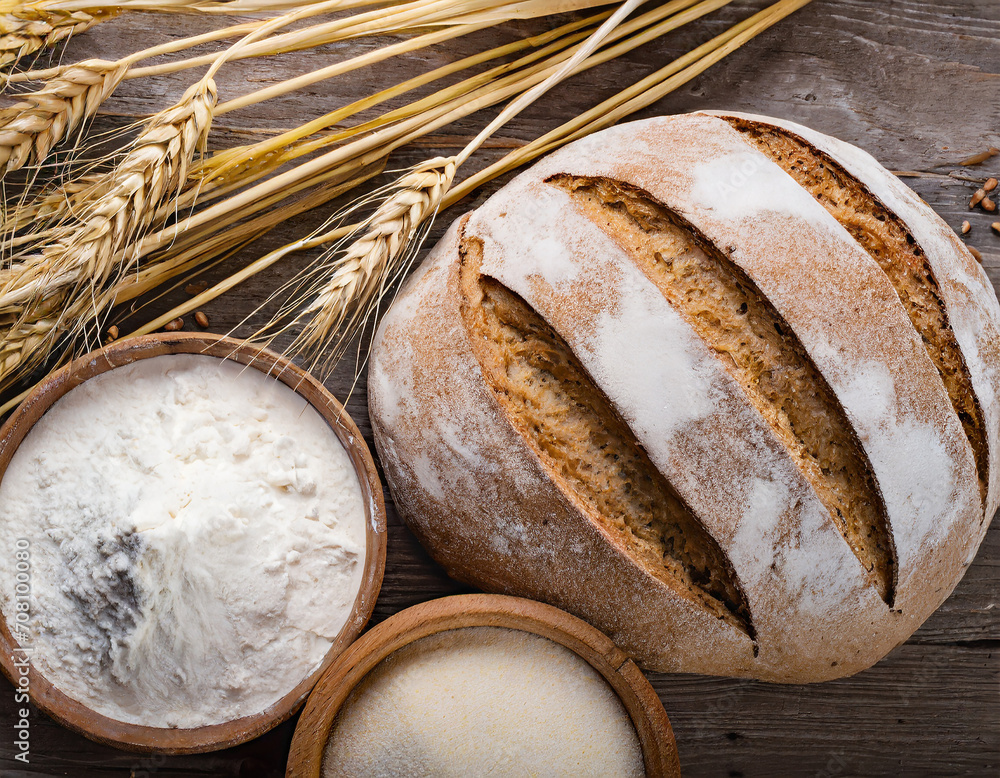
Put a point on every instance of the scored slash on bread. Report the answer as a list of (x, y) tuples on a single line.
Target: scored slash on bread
[(886, 238), (550, 398), (718, 384), (740, 325)]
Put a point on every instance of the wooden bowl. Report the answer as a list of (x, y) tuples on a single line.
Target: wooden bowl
[(134, 737), (656, 738)]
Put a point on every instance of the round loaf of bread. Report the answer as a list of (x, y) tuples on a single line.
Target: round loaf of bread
[(716, 383)]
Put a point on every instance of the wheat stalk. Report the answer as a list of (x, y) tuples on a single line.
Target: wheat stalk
[(27, 343), (399, 18), (196, 7), (233, 168), (31, 128), (90, 250), (299, 39), (122, 201), (180, 44), (25, 30), (485, 88), (242, 164)]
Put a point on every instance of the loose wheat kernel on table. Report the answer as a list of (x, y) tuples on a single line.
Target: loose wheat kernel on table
[(996, 227), (977, 198), (990, 185), (989, 205), (978, 159), (174, 325), (976, 254), (112, 333), (201, 319), (966, 227)]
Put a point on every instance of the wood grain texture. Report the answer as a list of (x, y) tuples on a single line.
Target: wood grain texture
[(914, 82)]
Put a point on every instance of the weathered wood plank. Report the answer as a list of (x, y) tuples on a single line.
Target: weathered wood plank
[(916, 83), (900, 718)]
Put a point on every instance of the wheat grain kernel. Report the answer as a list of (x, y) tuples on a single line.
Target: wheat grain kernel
[(981, 157)]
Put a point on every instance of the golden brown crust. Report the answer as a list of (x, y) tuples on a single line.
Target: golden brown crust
[(483, 498), (887, 240), (520, 534), (969, 299), (586, 447), (759, 350)]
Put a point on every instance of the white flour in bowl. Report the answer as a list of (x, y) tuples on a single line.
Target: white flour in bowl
[(197, 541), (480, 701)]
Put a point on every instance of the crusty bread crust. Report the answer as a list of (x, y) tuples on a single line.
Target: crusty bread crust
[(474, 485), (972, 305), (440, 435)]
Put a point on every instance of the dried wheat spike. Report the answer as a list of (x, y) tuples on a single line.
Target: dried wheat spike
[(52, 205), (21, 346), (33, 126), (91, 246), (370, 258), (120, 205), (27, 30)]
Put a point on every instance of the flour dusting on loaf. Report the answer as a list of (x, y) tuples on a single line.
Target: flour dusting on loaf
[(751, 320), (741, 185)]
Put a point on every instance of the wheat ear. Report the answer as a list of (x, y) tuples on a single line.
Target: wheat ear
[(360, 272), (49, 207), (370, 261), (89, 251), (32, 127), (122, 202), (88, 248), (27, 30), (21, 343)]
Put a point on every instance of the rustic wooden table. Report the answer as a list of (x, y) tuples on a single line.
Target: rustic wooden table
[(916, 83)]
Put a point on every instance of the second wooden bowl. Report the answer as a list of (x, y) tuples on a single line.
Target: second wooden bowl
[(134, 737), (656, 738)]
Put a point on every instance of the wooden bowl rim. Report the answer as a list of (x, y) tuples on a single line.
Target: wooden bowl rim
[(656, 738), (144, 739)]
